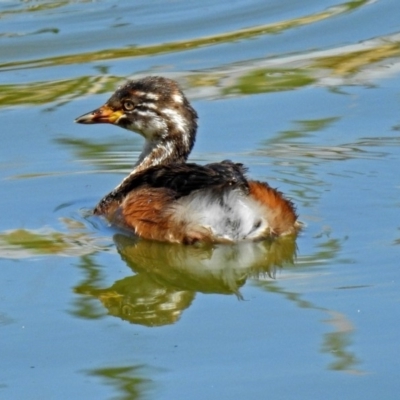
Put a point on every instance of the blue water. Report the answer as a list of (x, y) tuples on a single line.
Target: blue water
[(307, 96)]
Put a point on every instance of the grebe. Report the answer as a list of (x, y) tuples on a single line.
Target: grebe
[(166, 199)]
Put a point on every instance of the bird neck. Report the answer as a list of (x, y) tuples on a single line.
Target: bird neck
[(170, 149)]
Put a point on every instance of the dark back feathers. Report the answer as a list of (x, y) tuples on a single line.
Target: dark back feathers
[(182, 179)]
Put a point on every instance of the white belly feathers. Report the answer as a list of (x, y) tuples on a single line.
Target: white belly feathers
[(230, 215)]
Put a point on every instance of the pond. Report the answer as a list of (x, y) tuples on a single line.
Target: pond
[(307, 96)]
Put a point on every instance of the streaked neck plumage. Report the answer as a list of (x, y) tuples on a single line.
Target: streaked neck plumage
[(165, 151)]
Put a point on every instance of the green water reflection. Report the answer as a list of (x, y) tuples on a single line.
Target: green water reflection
[(302, 129), (256, 76), (338, 342), (31, 7), (110, 155), (133, 51), (167, 277), (253, 76), (271, 80), (129, 381), (86, 306), (77, 241)]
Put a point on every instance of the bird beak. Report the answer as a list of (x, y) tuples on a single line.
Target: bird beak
[(103, 115)]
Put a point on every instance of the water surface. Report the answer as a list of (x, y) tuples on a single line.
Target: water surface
[(307, 96)]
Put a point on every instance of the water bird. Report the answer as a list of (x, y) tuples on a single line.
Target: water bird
[(167, 199)]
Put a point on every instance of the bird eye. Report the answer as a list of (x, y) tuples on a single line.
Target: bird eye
[(128, 105)]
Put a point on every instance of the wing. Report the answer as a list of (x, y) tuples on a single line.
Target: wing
[(182, 179)]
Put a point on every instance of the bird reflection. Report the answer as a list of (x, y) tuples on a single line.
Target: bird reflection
[(167, 276)]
